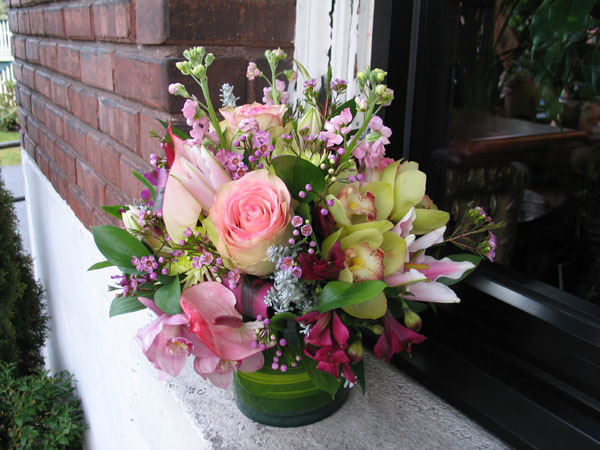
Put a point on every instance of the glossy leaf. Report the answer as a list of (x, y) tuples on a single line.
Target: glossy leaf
[(167, 297), (296, 173), (118, 246), (101, 265), (337, 294), (124, 305), (115, 210), (359, 371), (279, 321)]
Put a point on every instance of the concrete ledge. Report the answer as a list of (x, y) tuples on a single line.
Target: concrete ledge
[(127, 407)]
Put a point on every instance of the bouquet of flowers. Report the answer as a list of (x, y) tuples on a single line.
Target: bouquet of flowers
[(282, 234)]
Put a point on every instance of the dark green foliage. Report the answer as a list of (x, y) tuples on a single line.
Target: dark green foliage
[(23, 323), (39, 411), (9, 120)]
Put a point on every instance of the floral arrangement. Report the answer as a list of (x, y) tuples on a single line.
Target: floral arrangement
[(282, 235)]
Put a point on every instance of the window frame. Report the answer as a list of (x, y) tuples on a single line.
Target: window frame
[(517, 355)]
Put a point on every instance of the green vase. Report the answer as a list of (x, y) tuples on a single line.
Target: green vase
[(284, 399)]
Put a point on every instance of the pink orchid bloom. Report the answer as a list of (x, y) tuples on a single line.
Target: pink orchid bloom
[(163, 341), (218, 371), (210, 309), (420, 272), (396, 338), (194, 178)]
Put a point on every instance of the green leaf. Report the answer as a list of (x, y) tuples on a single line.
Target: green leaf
[(146, 183), (336, 294), (167, 297), (279, 321), (349, 104), (118, 246), (460, 258), (180, 133), (303, 210), (296, 173), (124, 305), (359, 370), (115, 210), (322, 380), (101, 265)]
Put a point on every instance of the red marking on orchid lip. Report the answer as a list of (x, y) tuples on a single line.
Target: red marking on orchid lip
[(228, 321)]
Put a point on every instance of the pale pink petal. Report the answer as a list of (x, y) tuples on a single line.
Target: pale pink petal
[(427, 240), (206, 365), (445, 268), (204, 304), (431, 291), (405, 224), (253, 363), (150, 305), (221, 380), (401, 278)]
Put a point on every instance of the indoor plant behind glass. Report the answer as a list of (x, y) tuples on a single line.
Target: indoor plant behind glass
[(268, 244)]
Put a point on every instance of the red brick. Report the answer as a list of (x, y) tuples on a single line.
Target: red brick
[(130, 186), (42, 161), (115, 196), (55, 120), (104, 158), (78, 22), (48, 56), (143, 79), (18, 71), (83, 104), (22, 118), (29, 146), (19, 50), (120, 122), (32, 46), (112, 19), (58, 180), (38, 108), (13, 21), (28, 76), (33, 129), (68, 60), (81, 208), (46, 143), (54, 24), (23, 19), (59, 92), (148, 144), (42, 84), (97, 67), (15, 3), (24, 97), (75, 136), (65, 159), (90, 183), (268, 21), (151, 22), (36, 21)]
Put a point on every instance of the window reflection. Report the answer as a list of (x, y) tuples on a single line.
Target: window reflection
[(526, 137)]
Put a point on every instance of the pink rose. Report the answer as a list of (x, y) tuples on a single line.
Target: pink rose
[(267, 115), (249, 215)]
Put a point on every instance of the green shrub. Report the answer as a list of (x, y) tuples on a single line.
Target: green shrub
[(9, 119), (39, 411), (23, 323)]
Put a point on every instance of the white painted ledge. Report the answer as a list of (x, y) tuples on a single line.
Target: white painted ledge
[(127, 407)]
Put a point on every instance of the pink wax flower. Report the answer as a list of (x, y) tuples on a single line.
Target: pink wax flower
[(267, 115), (251, 214)]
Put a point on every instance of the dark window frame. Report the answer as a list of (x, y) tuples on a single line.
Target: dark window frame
[(519, 356)]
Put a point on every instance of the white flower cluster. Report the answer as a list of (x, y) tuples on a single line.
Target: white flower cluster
[(228, 98), (288, 292)]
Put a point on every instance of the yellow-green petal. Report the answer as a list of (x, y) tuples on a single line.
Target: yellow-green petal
[(394, 249), (371, 309), (384, 197), (428, 220)]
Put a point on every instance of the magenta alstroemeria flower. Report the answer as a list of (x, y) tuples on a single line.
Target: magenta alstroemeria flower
[(396, 338), (163, 341), (210, 309), (324, 326)]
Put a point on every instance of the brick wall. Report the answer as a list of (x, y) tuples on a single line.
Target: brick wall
[(93, 76)]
